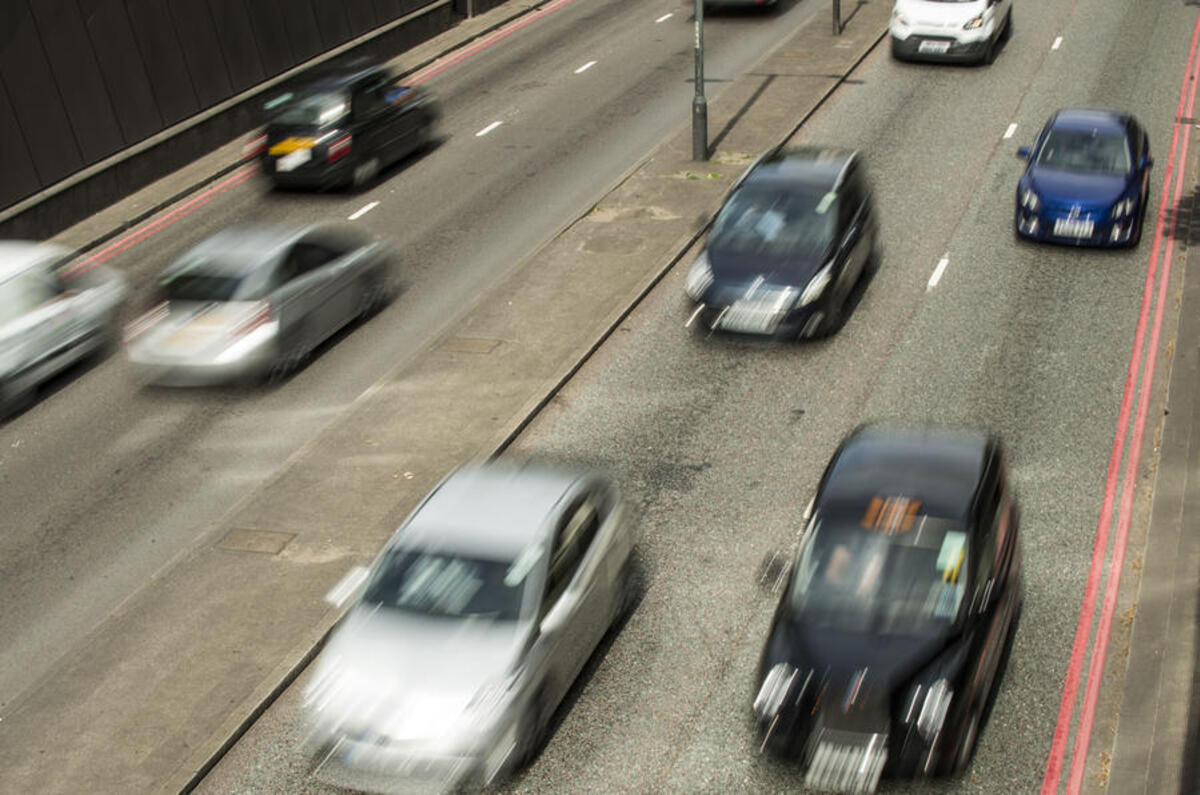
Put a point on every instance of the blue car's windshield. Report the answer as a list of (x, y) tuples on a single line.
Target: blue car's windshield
[(1086, 152)]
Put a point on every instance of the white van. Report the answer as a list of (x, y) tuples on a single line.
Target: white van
[(950, 30)]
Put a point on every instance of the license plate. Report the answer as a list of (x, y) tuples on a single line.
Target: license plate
[(1073, 227), (293, 160), (935, 47)]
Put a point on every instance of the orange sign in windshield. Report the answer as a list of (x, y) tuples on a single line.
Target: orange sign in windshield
[(890, 515)]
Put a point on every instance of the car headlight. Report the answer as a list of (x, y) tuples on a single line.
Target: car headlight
[(1124, 207), (974, 24), (1030, 200), (929, 697), (934, 709), (899, 19), (699, 278), (774, 688), (816, 285)]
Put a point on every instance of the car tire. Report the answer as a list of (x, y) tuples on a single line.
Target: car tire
[(989, 55), (1007, 34), (364, 173), (965, 753), (373, 296), (835, 319), (289, 362), (1136, 237)]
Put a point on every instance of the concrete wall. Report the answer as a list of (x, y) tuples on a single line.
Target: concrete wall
[(100, 97)]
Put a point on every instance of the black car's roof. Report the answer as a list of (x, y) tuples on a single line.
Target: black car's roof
[(335, 77), (818, 167), (1090, 119), (939, 467)]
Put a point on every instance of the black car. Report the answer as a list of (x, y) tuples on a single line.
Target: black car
[(342, 126), (889, 640), (795, 235)]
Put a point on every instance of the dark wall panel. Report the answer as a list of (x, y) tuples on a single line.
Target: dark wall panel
[(77, 76), (302, 30), (202, 50), (159, 47), (361, 16), (274, 45), (237, 43), (16, 164), (386, 10), (128, 85), (331, 22), (36, 103)]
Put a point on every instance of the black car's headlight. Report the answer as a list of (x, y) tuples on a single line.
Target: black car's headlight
[(928, 700), (699, 278), (1124, 207), (1030, 200), (974, 23), (816, 285)]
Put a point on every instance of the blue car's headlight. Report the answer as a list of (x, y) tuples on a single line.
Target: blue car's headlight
[(699, 277), (1124, 207), (1030, 200)]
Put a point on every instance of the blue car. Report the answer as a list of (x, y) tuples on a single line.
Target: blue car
[(1087, 181)]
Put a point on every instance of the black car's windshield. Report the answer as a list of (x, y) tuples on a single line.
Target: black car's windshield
[(775, 222), (1084, 151), (309, 110), (909, 581), (437, 583)]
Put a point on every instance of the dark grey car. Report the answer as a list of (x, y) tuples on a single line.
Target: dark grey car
[(255, 301), (51, 316)]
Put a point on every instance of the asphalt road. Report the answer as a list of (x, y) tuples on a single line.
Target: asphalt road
[(721, 441), (104, 484)]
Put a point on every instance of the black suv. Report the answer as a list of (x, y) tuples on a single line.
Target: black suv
[(795, 235), (341, 127)]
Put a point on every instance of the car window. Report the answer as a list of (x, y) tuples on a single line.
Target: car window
[(449, 585), (774, 222), (368, 98), (23, 293), (1085, 151), (574, 536), (306, 256), (309, 110)]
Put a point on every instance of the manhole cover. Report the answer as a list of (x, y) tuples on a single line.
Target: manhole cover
[(470, 345), (264, 541)]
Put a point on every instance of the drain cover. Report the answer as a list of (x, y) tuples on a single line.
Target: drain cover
[(255, 541)]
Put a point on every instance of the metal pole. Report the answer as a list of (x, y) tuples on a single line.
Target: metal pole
[(837, 17), (699, 104)]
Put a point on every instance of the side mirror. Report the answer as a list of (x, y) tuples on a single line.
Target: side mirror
[(1147, 162), (1024, 152), (348, 587)]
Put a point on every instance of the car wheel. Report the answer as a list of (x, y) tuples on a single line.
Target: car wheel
[(13, 400), (1007, 27), (287, 363), (835, 319), (989, 55), (364, 172), (373, 296), (1136, 237), (970, 738)]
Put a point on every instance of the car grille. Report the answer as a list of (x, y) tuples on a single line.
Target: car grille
[(847, 762)]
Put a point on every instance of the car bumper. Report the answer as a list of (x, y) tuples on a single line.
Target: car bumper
[(165, 371), (373, 768), (930, 46), (795, 323), (1048, 226), (315, 175)]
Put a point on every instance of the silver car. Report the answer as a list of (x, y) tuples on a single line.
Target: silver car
[(475, 620), (255, 301), (51, 316)]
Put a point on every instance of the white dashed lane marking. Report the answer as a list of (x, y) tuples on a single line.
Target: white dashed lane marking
[(937, 273), (663, 18), (360, 212), (1057, 43), (585, 67), (1012, 128), (488, 128)]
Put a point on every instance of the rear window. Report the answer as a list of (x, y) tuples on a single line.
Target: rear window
[(309, 110)]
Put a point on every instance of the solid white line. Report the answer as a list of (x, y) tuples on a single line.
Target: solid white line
[(663, 18), (1057, 43), (937, 273), (1012, 128), (488, 128), (360, 212), (585, 67)]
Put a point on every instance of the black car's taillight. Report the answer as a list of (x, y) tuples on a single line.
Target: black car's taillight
[(338, 148)]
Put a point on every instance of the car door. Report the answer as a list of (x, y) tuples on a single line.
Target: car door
[(374, 131), (305, 298)]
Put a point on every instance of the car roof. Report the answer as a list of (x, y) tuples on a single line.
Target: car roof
[(940, 467), (495, 508), (1090, 119), (18, 256), (819, 167), (338, 75), (239, 250)]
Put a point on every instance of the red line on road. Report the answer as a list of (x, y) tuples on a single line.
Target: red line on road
[(1096, 665), (487, 41), (161, 223), (1062, 728)]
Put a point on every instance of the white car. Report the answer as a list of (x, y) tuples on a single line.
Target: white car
[(950, 30)]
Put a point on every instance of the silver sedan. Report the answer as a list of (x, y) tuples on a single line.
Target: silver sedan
[(255, 301), (474, 621), (51, 315)]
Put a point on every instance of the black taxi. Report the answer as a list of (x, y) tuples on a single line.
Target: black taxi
[(891, 636), (342, 126)]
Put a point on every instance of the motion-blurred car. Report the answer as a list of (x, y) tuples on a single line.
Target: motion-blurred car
[(342, 127), (890, 639), (476, 618), (795, 235), (51, 316), (1087, 181), (950, 30), (255, 301)]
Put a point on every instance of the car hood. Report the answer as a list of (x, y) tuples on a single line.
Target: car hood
[(930, 13), (1067, 187), (735, 270), (406, 676)]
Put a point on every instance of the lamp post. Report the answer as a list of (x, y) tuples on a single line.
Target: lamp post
[(699, 103)]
